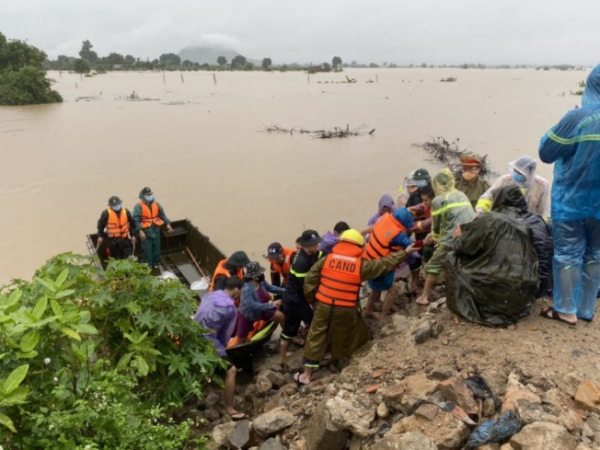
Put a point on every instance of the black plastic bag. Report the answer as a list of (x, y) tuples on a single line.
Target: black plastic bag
[(501, 429), (481, 389)]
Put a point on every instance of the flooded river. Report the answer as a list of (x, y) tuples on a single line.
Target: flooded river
[(199, 146)]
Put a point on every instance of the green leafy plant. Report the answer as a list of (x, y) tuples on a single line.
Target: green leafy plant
[(98, 359)]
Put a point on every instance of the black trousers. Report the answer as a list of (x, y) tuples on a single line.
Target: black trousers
[(120, 248), (295, 313)]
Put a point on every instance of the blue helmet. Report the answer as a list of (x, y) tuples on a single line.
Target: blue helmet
[(405, 217)]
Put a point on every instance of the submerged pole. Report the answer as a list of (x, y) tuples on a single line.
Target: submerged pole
[(214, 78)]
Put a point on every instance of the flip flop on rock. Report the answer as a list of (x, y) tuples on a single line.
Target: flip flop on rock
[(237, 416), (296, 378), (550, 313)]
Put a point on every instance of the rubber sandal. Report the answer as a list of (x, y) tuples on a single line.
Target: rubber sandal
[(296, 378), (554, 316), (236, 417)]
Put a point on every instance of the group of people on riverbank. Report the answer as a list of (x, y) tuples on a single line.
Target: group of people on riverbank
[(500, 246)]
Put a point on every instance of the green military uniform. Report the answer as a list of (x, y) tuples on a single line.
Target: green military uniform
[(338, 329), (151, 245), (472, 189)]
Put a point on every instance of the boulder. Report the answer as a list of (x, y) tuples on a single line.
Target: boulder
[(528, 412), (455, 390), (277, 379), (273, 422), (543, 436), (446, 431), (320, 433), (423, 332), (220, 433), (517, 391), (271, 444), (587, 396), (407, 441), (348, 412), (240, 436), (263, 384)]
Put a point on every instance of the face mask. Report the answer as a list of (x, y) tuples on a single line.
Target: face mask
[(469, 176), (149, 198), (117, 207), (421, 183), (261, 278), (519, 179)]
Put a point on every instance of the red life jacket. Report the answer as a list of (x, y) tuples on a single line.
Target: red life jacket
[(340, 276)]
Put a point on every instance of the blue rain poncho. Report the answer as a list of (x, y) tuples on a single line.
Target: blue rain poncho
[(573, 145)]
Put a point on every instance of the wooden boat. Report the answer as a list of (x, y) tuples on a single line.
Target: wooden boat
[(191, 256)]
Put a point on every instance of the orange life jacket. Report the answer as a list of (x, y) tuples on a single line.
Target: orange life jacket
[(385, 229), (150, 215), (117, 225), (283, 269), (340, 276), (222, 270)]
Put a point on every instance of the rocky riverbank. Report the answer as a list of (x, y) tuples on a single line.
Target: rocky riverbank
[(414, 387)]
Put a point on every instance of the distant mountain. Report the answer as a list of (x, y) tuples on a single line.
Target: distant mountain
[(204, 54)]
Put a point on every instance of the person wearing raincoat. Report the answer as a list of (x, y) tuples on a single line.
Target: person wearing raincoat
[(450, 208), (573, 146), (521, 173), (510, 200), (406, 190), (492, 270)]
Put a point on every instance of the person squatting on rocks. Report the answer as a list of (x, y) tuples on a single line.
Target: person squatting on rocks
[(333, 286), (117, 225), (217, 313), (254, 302), (149, 217), (295, 306), (573, 146)]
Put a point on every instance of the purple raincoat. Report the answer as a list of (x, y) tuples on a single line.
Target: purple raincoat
[(217, 312)]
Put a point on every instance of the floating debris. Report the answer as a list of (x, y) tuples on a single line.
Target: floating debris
[(448, 80), (448, 154), (319, 134)]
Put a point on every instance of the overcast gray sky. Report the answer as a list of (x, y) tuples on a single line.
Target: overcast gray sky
[(400, 31)]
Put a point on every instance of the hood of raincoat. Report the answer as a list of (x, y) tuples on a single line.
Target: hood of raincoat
[(591, 94), (385, 201), (405, 217), (509, 197), (526, 166), (443, 182)]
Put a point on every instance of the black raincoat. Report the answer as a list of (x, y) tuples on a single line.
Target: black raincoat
[(492, 272)]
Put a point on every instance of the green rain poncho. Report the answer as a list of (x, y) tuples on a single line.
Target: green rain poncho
[(450, 208)]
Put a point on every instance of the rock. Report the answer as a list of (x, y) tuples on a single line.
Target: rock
[(419, 386), (271, 444), (517, 391), (423, 332), (554, 399), (528, 412), (587, 396), (263, 384), (570, 382), (408, 441), (543, 436), (594, 423), (320, 432), (436, 329), (428, 411), (382, 411), (488, 407), (240, 436), (347, 412), (583, 447), (570, 420), (372, 389), (441, 374), (212, 400), (492, 446), (211, 415), (275, 401), (273, 422), (393, 393), (455, 390), (446, 431), (277, 379), (220, 433), (506, 447)]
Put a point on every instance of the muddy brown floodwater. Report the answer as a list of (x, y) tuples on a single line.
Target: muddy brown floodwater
[(200, 148)]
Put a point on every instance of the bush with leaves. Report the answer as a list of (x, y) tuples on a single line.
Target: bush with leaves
[(98, 359)]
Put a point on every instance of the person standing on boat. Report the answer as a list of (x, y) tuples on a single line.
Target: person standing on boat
[(295, 307), (117, 225), (149, 217), (468, 180)]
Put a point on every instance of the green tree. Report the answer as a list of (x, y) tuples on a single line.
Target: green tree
[(238, 62), (130, 60), (81, 66), (23, 79), (336, 62), (221, 60), (266, 63), (86, 52), (170, 60)]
